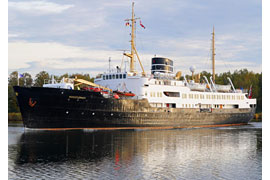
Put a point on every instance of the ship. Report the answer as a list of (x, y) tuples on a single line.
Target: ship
[(127, 98)]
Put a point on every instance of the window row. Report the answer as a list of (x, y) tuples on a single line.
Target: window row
[(165, 83), (209, 96), (154, 94), (115, 76)]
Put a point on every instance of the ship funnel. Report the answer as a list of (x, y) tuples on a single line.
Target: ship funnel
[(163, 65)]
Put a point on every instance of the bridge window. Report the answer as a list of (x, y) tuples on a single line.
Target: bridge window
[(103, 77), (113, 76), (124, 76), (116, 76), (171, 94), (110, 76), (107, 77), (121, 76)]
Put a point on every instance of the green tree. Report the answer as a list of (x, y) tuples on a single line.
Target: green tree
[(62, 76), (26, 80), (82, 76), (13, 79), (12, 103), (41, 77)]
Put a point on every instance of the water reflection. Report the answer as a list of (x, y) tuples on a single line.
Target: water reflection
[(225, 153)]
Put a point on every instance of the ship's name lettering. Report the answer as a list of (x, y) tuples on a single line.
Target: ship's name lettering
[(77, 97)]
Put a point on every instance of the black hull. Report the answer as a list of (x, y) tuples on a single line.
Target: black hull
[(63, 108)]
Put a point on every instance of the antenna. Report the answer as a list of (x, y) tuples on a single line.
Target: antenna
[(124, 51), (110, 64)]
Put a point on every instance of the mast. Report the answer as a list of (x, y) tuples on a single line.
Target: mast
[(132, 41), (213, 54), (132, 69)]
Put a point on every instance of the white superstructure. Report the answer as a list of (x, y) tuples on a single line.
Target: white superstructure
[(162, 88), (173, 93)]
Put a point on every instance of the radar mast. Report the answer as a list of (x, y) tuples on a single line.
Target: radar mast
[(133, 48)]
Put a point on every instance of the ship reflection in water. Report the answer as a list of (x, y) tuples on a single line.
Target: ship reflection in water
[(217, 153)]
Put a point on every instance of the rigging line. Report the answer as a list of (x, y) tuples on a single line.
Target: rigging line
[(140, 42), (227, 66), (206, 62), (122, 61)]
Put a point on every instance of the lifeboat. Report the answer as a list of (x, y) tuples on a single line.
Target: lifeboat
[(197, 86), (127, 94), (104, 92), (116, 96), (97, 89), (88, 88), (223, 88)]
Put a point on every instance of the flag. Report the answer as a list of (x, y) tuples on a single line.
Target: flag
[(250, 92), (142, 24), (127, 23), (20, 75)]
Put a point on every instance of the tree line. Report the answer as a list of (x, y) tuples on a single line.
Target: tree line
[(25, 79), (242, 79)]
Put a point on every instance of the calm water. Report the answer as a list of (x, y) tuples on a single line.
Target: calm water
[(208, 153)]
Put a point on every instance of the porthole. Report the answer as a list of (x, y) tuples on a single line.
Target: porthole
[(82, 113), (93, 113), (62, 92), (67, 112), (111, 114)]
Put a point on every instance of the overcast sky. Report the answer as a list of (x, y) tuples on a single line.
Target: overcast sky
[(79, 36)]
